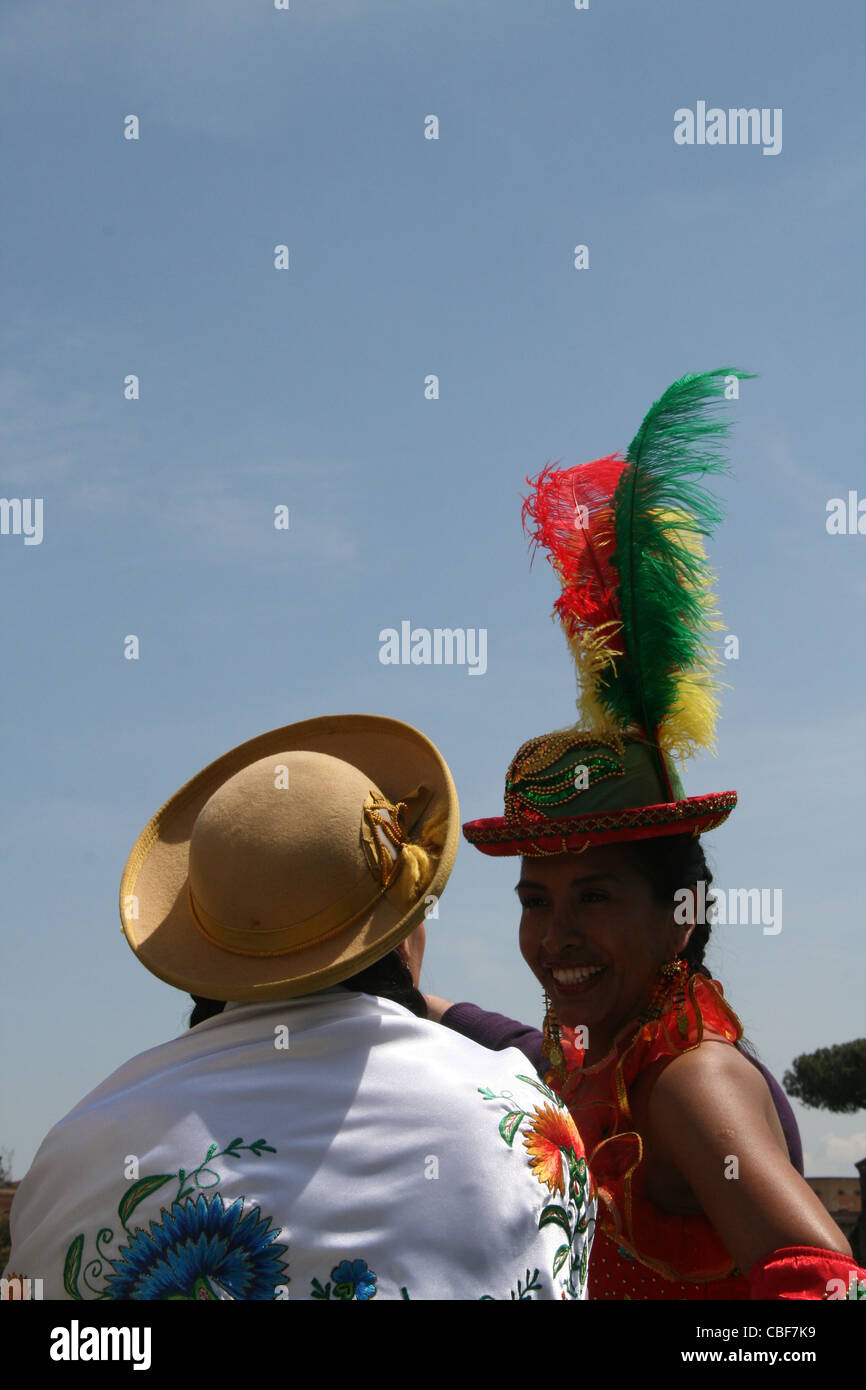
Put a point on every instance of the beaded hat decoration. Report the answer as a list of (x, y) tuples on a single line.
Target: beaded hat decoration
[(625, 537)]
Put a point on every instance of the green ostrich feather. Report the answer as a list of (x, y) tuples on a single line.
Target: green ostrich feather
[(664, 596)]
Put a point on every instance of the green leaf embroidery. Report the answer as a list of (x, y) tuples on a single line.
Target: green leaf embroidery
[(560, 1258), (486, 1093), (139, 1190), (72, 1267), (261, 1146), (555, 1216), (531, 1283), (187, 1182), (539, 1086), (510, 1124)]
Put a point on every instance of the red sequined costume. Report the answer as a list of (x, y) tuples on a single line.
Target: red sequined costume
[(639, 1250)]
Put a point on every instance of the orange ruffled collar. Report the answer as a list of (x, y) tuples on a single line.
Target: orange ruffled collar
[(678, 1247)]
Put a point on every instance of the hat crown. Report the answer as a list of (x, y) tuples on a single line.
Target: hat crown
[(280, 842), (293, 861), (571, 772)]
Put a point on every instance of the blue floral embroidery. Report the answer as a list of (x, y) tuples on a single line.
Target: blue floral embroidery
[(353, 1279), (200, 1250)]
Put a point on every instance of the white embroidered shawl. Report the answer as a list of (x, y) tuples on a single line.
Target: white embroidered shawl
[(330, 1147)]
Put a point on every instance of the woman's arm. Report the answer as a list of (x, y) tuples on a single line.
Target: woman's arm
[(707, 1118), (491, 1030), (437, 1006)]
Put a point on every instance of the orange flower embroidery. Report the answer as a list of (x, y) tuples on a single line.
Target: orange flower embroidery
[(551, 1131)]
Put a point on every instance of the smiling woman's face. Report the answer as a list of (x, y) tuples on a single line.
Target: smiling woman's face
[(595, 936)]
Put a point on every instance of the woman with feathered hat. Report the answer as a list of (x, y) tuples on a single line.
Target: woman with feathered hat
[(699, 1197)]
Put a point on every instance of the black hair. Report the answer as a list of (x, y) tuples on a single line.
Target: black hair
[(672, 862), (389, 977), (204, 1008)]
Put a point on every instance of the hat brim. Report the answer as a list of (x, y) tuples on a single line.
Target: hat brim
[(154, 901), (695, 815)]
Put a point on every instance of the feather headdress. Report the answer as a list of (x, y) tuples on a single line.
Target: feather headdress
[(625, 535)]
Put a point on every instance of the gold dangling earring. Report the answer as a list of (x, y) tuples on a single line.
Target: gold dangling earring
[(682, 973), (552, 1045), (669, 992)]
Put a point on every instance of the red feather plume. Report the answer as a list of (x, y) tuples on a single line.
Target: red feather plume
[(571, 512)]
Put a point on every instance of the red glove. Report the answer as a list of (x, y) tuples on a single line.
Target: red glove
[(803, 1271)]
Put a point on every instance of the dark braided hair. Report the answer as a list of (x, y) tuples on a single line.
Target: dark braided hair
[(389, 977), (672, 862)]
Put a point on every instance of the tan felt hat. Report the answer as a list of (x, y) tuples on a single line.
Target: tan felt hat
[(293, 861)]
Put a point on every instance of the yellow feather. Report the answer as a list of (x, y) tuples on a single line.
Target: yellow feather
[(690, 726)]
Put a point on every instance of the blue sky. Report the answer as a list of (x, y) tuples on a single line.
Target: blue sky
[(306, 387)]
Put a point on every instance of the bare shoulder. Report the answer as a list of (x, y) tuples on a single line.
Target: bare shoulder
[(713, 1064), (715, 1086), (711, 1119)]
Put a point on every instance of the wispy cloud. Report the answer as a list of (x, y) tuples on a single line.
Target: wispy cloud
[(850, 1148), (218, 516), (835, 183), (803, 483), (38, 432), (830, 1153), (70, 441), (53, 430)]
